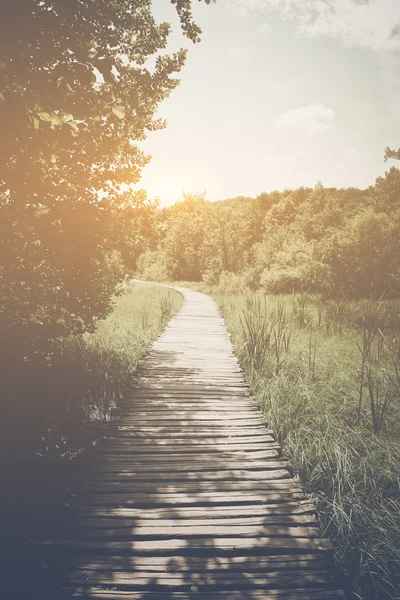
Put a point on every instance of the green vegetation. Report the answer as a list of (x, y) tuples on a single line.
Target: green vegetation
[(337, 242), (326, 375), (80, 85), (57, 405)]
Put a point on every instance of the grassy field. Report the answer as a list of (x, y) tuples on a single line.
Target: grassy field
[(61, 402), (326, 375)]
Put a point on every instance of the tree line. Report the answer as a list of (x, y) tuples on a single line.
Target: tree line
[(324, 240)]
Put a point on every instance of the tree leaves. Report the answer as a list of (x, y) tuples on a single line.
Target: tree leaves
[(70, 108), (119, 112)]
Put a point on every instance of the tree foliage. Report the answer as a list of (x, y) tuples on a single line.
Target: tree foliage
[(326, 240), (78, 92)]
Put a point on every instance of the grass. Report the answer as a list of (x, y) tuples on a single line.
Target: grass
[(326, 375), (62, 403)]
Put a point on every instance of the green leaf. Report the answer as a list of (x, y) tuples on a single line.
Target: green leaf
[(73, 125), (36, 123), (45, 116), (55, 120), (118, 112)]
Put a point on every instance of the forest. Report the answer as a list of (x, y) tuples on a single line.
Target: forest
[(335, 242)]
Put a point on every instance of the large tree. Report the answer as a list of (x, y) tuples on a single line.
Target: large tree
[(80, 83)]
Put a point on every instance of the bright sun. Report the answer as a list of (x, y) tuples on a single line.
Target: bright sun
[(169, 193)]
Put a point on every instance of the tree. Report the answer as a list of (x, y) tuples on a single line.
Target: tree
[(386, 192), (389, 153), (185, 230), (76, 96)]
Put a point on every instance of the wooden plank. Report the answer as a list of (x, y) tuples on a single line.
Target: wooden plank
[(194, 487), (132, 437), (200, 464), (183, 433), (197, 497), (288, 594), (252, 469), (189, 458), (230, 580), (259, 544), (178, 476), (189, 531), (211, 417), (153, 447), (191, 428), (198, 512), (201, 564), (132, 441), (293, 520)]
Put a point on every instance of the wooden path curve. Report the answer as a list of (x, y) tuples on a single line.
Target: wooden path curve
[(188, 496)]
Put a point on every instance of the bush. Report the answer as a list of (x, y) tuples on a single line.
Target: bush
[(282, 281), (231, 283), (152, 265)]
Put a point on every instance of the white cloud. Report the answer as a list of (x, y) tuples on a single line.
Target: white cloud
[(315, 118), (265, 29), (371, 24)]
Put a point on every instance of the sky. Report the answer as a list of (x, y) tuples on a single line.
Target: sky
[(279, 94)]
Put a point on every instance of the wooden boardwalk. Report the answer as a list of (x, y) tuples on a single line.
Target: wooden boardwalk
[(188, 497)]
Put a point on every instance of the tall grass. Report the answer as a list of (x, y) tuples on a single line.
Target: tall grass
[(327, 377)]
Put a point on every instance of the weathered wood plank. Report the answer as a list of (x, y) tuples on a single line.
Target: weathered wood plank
[(320, 593), (229, 579), (195, 488), (158, 532), (293, 520), (254, 545), (211, 476), (202, 564)]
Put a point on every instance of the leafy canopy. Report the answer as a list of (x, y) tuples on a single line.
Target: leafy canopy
[(80, 84)]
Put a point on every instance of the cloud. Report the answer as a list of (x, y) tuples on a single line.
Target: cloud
[(373, 24), (315, 118), (265, 29)]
